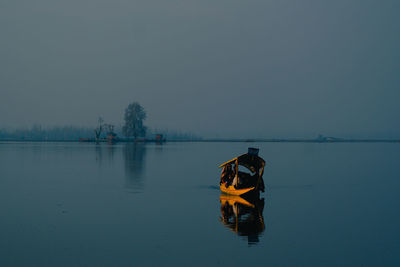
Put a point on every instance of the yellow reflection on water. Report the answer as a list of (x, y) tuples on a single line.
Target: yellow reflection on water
[(243, 215)]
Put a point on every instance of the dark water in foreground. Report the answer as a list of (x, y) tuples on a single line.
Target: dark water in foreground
[(71, 204)]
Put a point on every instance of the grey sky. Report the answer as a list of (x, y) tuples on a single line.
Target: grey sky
[(233, 68)]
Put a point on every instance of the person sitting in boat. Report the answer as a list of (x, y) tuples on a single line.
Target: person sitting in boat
[(223, 175), (227, 175), (231, 175), (233, 171)]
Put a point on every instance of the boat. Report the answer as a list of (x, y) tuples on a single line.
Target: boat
[(242, 181)]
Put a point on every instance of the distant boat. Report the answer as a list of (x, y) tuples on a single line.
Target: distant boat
[(112, 137), (235, 182)]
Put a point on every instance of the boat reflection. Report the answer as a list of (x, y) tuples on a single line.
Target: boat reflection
[(243, 215)]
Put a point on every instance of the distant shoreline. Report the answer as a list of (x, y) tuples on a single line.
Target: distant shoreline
[(229, 141), (300, 141)]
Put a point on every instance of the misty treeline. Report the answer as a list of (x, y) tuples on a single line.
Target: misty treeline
[(175, 135), (38, 132), (167, 133), (134, 117)]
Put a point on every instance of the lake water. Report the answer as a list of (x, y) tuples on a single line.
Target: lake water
[(77, 204)]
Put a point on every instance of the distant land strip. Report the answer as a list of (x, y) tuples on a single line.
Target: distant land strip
[(293, 140), (227, 140)]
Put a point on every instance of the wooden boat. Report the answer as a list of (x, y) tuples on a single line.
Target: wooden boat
[(243, 182)]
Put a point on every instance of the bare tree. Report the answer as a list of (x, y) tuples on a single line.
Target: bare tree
[(134, 117), (99, 129)]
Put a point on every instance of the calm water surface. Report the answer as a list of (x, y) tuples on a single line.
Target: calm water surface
[(71, 204)]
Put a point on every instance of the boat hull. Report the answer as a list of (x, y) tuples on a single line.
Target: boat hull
[(236, 192)]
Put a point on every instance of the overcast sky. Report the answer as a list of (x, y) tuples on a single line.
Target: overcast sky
[(224, 67)]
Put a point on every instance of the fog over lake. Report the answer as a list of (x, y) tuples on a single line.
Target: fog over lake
[(226, 68)]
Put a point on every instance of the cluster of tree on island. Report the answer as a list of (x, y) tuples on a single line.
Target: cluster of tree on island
[(133, 127)]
